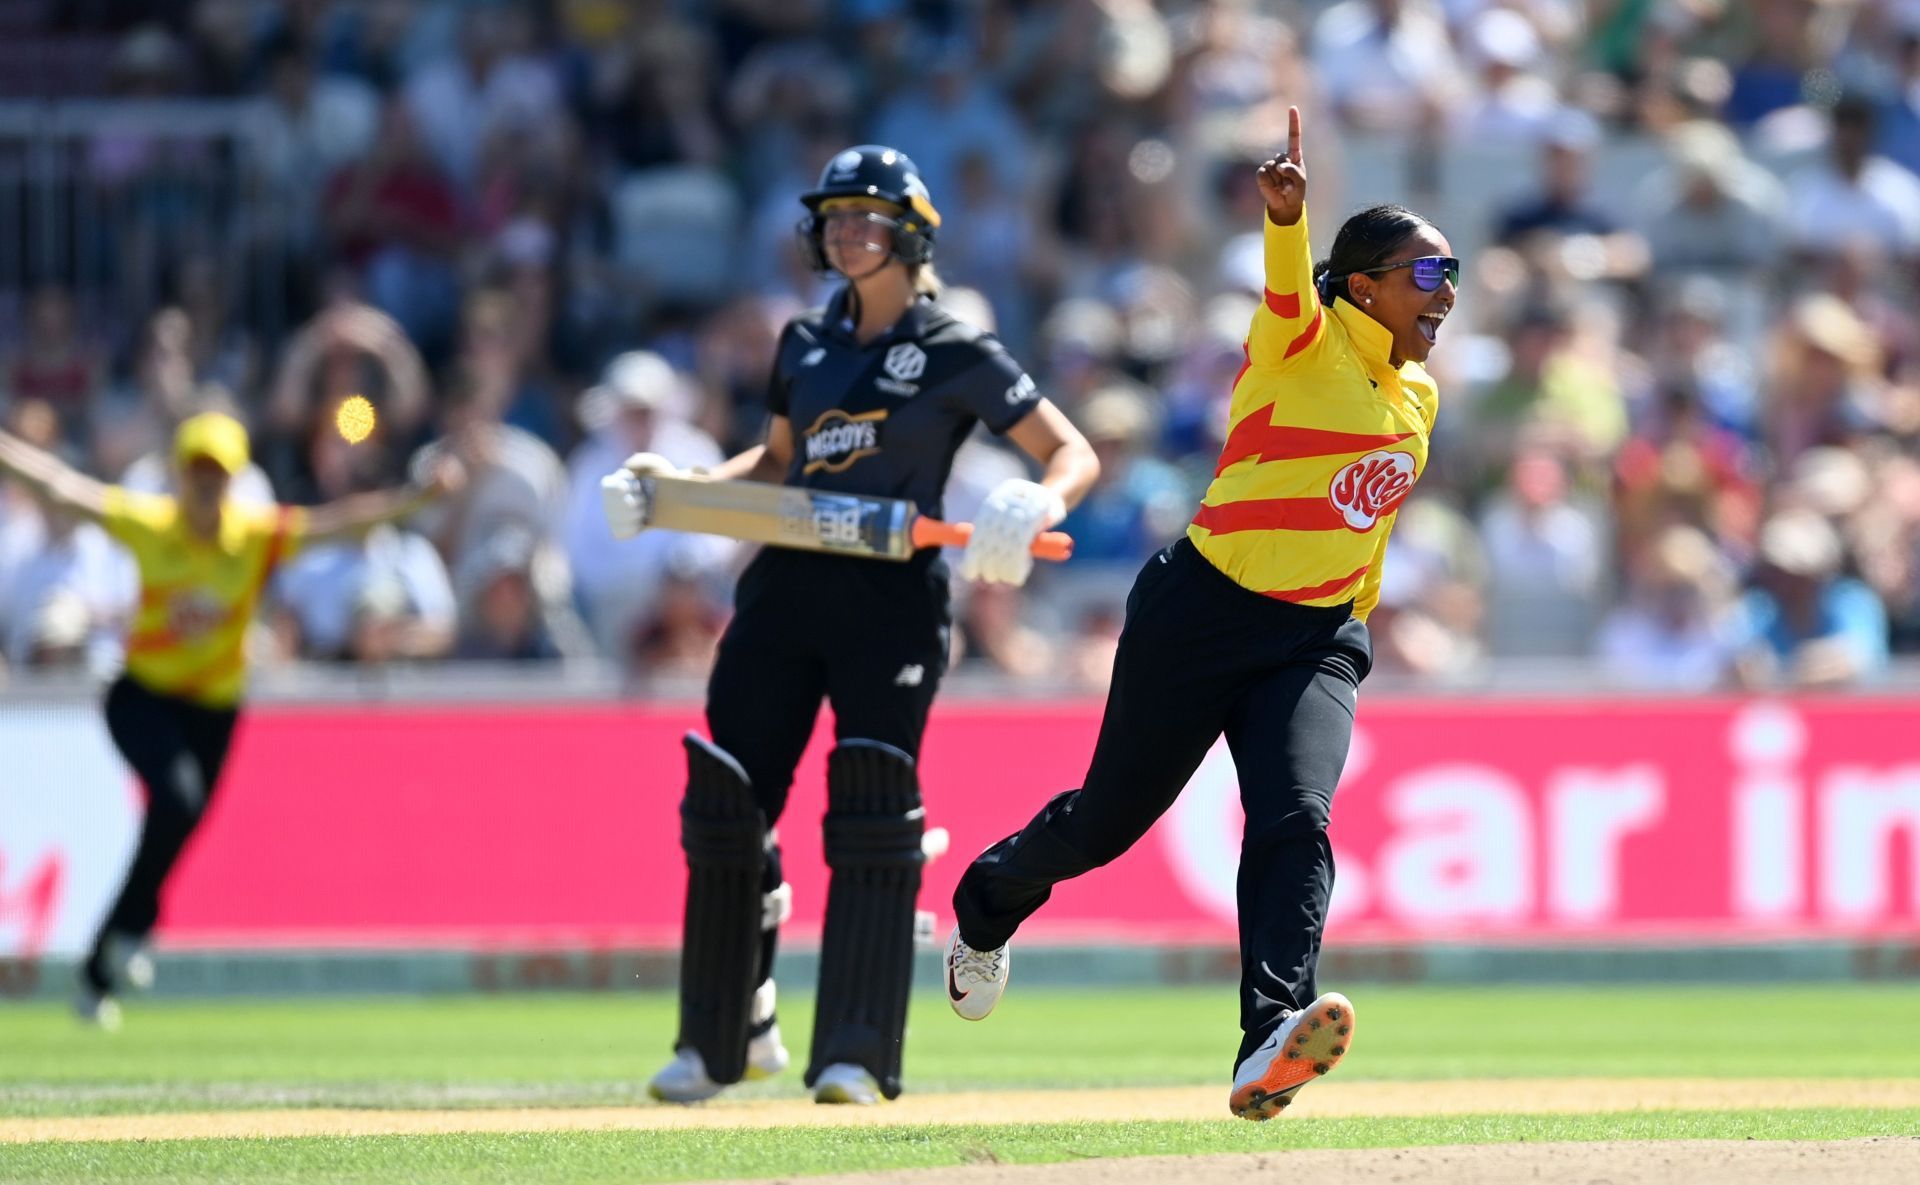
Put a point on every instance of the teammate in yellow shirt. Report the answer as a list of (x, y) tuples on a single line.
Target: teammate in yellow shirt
[(203, 563), (1254, 625)]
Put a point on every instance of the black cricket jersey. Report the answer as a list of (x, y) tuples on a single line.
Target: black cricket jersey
[(886, 418)]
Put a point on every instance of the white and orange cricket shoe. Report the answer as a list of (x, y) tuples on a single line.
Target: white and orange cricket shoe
[(1310, 1042)]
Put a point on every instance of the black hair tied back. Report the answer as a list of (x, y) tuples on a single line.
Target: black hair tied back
[(1366, 240)]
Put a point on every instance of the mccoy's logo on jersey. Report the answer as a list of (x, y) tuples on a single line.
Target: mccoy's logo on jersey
[(1371, 487), (837, 439)]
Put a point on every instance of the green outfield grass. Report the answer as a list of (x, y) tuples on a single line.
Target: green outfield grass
[(576, 1050), (630, 1158), (490, 1051)]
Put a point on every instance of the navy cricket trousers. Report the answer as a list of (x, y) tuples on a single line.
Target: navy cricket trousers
[(178, 748), (1200, 656)]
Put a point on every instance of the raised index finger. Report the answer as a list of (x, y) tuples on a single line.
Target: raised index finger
[(1293, 134)]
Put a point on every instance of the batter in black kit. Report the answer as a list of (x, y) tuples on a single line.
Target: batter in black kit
[(871, 395)]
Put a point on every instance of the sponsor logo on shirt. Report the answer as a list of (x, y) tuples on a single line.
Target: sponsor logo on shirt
[(904, 363), (193, 613), (1021, 391), (1371, 487), (837, 439)]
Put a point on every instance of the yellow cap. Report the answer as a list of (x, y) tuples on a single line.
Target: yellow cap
[(219, 438)]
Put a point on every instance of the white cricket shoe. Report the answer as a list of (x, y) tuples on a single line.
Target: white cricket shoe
[(129, 962), (97, 1009), (844, 1082), (685, 1080), (975, 978), (1308, 1044), (766, 1054)]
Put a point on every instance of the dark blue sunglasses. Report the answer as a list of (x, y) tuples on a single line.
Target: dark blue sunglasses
[(1428, 271)]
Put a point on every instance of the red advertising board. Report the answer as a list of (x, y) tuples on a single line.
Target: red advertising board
[(1489, 820)]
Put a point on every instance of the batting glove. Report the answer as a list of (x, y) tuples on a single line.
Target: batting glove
[(1014, 514), (652, 465), (624, 502)]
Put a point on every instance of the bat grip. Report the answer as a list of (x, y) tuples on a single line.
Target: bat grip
[(931, 532)]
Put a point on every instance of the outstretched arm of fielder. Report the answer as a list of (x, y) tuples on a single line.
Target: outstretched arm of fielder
[(357, 514), (50, 480)]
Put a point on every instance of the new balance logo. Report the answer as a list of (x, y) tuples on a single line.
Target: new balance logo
[(910, 675)]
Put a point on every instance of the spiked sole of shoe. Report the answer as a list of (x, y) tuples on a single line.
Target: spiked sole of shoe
[(1315, 1047)]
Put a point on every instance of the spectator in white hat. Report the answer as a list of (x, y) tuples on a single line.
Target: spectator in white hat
[(640, 407), (1710, 209), (1806, 624), (1677, 630), (1516, 103)]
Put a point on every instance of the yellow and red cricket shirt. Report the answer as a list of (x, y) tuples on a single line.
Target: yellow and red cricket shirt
[(1327, 439), (197, 596)]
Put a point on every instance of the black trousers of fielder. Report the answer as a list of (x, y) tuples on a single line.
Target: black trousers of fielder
[(1199, 656), (178, 749), (870, 638)]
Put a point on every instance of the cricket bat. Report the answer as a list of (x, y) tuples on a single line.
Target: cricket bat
[(815, 520)]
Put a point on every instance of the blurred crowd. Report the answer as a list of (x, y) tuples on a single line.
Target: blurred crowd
[(1681, 396)]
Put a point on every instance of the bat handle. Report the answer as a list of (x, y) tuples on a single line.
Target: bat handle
[(1053, 545), (931, 532)]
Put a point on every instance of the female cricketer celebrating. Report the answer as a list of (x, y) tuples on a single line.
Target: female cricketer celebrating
[(203, 561), (871, 395), (1254, 625)]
